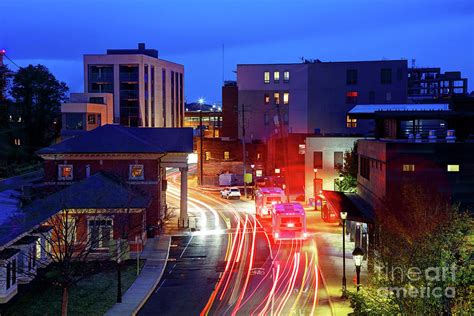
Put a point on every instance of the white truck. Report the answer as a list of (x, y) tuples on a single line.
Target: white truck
[(265, 198)]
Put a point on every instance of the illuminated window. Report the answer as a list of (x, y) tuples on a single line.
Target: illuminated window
[(277, 170), (65, 172), (408, 168), (453, 168), (302, 149), (338, 159), (286, 97), (259, 155), (351, 122), (351, 97), (136, 172), (38, 249), (226, 155), (276, 97), (91, 119), (208, 155), (17, 141), (258, 173), (266, 77), (266, 98), (286, 76), (100, 233), (276, 76)]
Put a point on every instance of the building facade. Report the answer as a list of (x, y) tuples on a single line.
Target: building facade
[(314, 97), (148, 91)]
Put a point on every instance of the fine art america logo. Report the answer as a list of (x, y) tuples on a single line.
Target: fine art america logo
[(432, 281)]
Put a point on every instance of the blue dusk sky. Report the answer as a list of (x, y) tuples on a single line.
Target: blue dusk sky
[(57, 33)]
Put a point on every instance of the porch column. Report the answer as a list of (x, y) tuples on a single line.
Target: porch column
[(183, 209)]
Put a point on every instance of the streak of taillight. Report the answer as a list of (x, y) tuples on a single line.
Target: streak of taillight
[(303, 280), (252, 255), (316, 285), (290, 285), (242, 239), (272, 291)]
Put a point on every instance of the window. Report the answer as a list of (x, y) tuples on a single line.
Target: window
[(351, 97), (408, 168), (338, 159), (302, 149), (96, 100), (17, 142), (65, 172), (74, 121), (266, 77), (69, 230), (351, 122), (453, 168), (258, 173), (351, 76), (91, 119), (100, 233), (259, 156), (365, 167), (388, 96), (286, 98), (318, 160), (266, 119), (386, 75), (9, 269), (136, 172), (266, 98), (276, 76), (38, 249), (399, 74), (13, 271), (285, 118), (371, 97), (226, 155), (286, 76), (276, 98), (208, 155)]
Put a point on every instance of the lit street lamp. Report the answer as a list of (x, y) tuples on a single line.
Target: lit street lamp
[(358, 256), (343, 215), (201, 102)]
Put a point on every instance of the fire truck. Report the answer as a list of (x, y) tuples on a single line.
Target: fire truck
[(265, 198), (288, 222)]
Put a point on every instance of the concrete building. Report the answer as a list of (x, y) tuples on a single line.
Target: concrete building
[(148, 91), (314, 97), (321, 159), (230, 101)]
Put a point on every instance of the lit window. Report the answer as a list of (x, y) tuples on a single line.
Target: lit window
[(65, 172), (38, 249), (258, 173), (226, 155), (91, 119), (266, 77), (286, 76), (208, 155), (266, 98), (453, 168), (259, 156), (286, 98), (351, 122), (136, 172), (276, 76), (276, 97), (277, 170), (408, 168), (351, 97), (100, 233), (301, 149), (17, 141)]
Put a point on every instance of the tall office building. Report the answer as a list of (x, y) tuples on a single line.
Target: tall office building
[(314, 96), (147, 90)]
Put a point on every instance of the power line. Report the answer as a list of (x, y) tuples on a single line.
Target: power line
[(11, 61)]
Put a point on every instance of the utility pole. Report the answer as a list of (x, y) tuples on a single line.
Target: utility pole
[(243, 149), (201, 101)]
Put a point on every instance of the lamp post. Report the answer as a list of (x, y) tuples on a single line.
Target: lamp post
[(343, 215), (201, 102), (358, 256)]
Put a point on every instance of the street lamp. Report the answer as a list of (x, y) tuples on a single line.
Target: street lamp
[(343, 215), (358, 256), (201, 102)]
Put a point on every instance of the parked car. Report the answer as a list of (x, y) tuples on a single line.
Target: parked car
[(229, 193)]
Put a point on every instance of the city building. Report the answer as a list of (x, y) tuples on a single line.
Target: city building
[(230, 99), (210, 116), (314, 97), (428, 84), (86, 111), (147, 91)]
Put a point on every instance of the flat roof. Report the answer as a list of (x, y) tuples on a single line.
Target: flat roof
[(372, 108)]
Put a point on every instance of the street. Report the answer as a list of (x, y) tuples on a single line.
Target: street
[(229, 265)]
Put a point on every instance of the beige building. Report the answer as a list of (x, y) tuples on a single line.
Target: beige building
[(147, 91)]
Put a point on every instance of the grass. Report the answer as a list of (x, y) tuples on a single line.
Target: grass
[(93, 295)]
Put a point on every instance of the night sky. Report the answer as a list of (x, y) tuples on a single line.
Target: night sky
[(58, 32)]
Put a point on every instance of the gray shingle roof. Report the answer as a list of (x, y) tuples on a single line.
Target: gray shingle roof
[(121, 139)]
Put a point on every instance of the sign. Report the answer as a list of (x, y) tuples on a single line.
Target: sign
[(248, 178)]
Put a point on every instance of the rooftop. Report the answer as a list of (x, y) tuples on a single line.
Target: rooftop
[(372, 108), (120, 139)]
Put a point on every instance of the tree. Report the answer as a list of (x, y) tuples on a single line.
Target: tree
[(423, 249), (37, 104), (5, 76), (348, 171)]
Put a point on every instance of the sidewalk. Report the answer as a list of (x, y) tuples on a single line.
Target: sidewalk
[(156, 254), (329, 244)]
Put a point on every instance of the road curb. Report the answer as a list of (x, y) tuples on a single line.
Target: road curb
[(323, 281), (147, 296)]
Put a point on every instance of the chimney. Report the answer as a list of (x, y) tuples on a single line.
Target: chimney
[(450, 136), (141, 46), (432, 136)]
